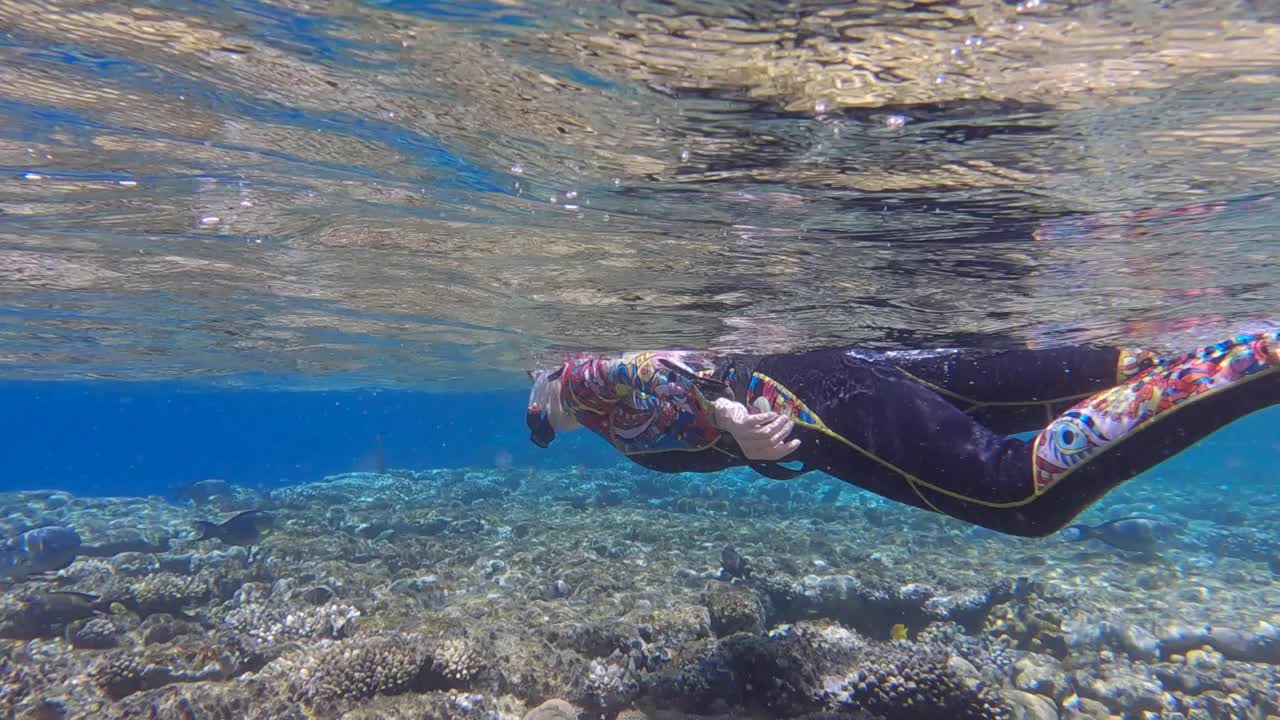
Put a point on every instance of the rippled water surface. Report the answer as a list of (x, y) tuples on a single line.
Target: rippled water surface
[(432, 193)]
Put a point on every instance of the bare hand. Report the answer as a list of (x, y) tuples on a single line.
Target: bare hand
[(762, 436)]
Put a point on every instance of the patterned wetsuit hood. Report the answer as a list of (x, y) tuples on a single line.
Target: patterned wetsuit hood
[(641, 402)]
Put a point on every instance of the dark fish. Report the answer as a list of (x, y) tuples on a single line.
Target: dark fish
[(44, 549), (733, 565), (1137, 534), (245, 528), (202, 491), (67, 605), (41, 610)]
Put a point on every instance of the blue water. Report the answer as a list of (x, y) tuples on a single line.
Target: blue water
[(143, 439), (111, 438)]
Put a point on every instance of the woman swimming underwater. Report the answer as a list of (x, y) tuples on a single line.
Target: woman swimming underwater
[(925, 428)]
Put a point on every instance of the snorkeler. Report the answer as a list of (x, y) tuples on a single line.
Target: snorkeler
[(925, 428)]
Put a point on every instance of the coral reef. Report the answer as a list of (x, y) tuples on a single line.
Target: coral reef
[(354, 670), (281, 623), (622, 594)]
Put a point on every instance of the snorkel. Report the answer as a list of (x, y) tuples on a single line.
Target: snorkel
[(538, 414)]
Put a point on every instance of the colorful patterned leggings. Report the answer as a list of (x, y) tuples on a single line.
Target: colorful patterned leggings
[(931, 429)]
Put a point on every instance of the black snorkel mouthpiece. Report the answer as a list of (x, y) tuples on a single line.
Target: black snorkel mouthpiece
[(540, 431)]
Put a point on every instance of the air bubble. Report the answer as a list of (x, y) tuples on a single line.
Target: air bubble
[(517, 169), (684, 155), (820, 107)]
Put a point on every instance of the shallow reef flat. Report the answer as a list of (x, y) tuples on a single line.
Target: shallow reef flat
[(616, 593)]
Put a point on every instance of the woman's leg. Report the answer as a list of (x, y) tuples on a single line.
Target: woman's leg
[(870, 425), (1013, 391), (1118, 433)]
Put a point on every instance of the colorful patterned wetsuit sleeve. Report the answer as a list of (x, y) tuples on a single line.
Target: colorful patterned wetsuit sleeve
[(637, 404)]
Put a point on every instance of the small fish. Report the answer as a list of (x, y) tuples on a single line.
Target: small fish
[(245, 528), (898, 632), (374, 459), (1136, 534), (44, 549), (379, 454)]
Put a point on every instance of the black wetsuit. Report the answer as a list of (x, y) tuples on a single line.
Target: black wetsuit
[(932, 429)]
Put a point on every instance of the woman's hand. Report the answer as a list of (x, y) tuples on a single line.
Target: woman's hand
[(762, 436)]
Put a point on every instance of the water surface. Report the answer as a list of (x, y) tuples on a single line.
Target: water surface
[(336, 194)]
